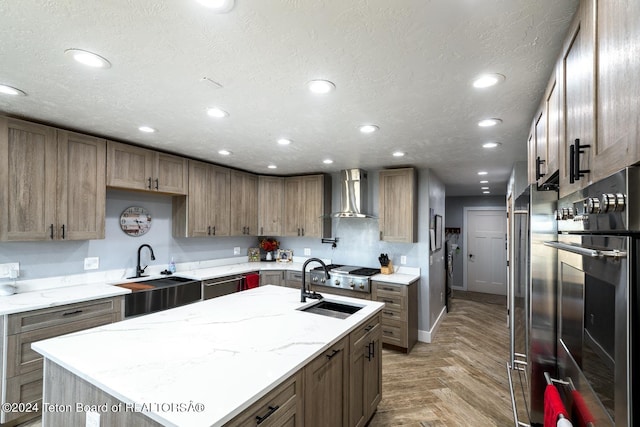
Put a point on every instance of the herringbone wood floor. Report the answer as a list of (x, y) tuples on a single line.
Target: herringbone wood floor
[(457, 380)]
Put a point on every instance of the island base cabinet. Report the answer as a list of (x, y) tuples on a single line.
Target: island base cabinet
[(365, 372), (63, 392)]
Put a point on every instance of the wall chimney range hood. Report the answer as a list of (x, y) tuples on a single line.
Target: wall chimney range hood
[(353, 194)]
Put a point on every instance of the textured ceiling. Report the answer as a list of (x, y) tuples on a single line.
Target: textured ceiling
[(405, 65)]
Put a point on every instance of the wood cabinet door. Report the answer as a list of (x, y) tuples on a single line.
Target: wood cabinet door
[(578, 98), (81, 186), (373, 372), (553, 126), (199, 215), (531, 156), (170, 174), (397, 205), (220, 201), (541, 146), (28, 157), (270, 205), (244, 204), (313, 208), (293, 206), (618, 103), (129, 167), (326, 385)]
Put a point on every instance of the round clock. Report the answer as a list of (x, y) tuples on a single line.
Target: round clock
[(135, 221)]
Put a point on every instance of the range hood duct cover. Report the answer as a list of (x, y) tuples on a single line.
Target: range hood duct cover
[(353, 197)]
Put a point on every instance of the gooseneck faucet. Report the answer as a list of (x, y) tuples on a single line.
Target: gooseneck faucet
[(303, 291), (140, 270)]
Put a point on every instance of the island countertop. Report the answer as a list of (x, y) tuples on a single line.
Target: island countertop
[(224, 353)]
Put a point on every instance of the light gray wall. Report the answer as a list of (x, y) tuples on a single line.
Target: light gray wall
[(437, 273), (455, 218)]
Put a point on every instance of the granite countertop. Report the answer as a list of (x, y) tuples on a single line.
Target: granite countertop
[(224, 353)]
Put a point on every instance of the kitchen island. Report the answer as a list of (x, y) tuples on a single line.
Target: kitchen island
[(206, 363)]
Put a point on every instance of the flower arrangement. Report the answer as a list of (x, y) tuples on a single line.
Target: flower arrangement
[(269, 244)]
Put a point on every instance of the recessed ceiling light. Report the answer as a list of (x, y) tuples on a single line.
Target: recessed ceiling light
[(369, 128), (327, 161), (87, 58), (484, 182), (8, 90), (272, 167), (399, 154), (284, 141), (487, 80), (146, 129), (321, 87), (489, 122), (482, 173), (484, 188), (224, 152), (490, 144), (486, 192), (217, 112), (218, 6)]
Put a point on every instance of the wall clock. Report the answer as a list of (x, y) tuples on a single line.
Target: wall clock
[(135, 221)]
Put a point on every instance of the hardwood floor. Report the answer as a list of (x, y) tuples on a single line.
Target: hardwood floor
[(457, 380)]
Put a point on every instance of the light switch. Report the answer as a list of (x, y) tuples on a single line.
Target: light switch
[(236, 250), (92, 263), (10, 270), (307, 251), (403, 259)]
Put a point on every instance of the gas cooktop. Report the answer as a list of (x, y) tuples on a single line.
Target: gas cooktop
[(348, 277)]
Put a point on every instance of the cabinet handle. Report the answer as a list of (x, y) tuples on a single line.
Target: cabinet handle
[(63, 233), (298, 231), (209, 230), (380, 234), (303, 231), (214, 230), (387, 332), (388, 301), (272, 409), (539, 162), (157, 184), (149, 185), (333, 353), (71, 313), (389, 313), (51, 228), (389, 289), (371, 350), (248, 228), (577, 150), (368, 328), (261, 230)]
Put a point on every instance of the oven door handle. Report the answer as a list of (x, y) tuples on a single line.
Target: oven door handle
[(593, 253)]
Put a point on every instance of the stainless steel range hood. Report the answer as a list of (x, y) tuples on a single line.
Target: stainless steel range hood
[(353, 197)]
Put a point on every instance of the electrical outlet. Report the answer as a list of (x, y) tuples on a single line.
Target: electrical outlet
[(92, 419), (236, 250), (307, 251), (10, 270), (92, 263), (403, 259)]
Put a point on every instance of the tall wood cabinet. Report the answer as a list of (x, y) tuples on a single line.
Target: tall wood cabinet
[(206, 210), (270, 205), (52, 183), (136, 168), (398, 205), (244, 204), (307, 205)]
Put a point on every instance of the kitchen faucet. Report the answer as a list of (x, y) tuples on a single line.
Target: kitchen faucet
[(140, 270), (303, 291)]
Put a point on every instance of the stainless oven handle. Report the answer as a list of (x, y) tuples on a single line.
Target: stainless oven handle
[(235, 279), (593, 253)]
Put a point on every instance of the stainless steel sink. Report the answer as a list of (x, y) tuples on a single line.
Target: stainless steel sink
[(153, 295), (335, 309)]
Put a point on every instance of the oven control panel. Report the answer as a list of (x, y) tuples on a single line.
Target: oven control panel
[(592, 213)]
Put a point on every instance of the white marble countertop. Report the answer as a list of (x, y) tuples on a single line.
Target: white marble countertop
[(224, 353), (401, 276)]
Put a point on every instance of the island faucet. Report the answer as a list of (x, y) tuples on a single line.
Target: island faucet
[(140, 270), (303, 291)]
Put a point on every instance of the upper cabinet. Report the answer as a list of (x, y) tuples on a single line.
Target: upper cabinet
[(398, 205), (307, 205), (244, 204), (52, 183), (270, 205), (136, 168), (618, 103), (206, 210)]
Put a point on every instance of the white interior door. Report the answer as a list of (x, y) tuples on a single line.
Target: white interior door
[(486, 255)]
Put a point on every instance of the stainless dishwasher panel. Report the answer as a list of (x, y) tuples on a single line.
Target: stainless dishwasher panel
[(213, 288)]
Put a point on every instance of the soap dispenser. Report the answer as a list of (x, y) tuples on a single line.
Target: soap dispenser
[(172, 266)]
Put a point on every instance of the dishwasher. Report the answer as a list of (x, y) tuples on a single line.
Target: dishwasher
[(226, 285)]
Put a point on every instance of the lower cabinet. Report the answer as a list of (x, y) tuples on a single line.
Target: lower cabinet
[(326, 390), (293, 279), (365, 379), (272, 277), (22, 378), (400, 314)]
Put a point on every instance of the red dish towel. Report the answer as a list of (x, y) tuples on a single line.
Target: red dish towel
[(579, 411), (553, 406), (252, 281)]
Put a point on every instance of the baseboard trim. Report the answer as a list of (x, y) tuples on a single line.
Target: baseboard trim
[(427, 336)]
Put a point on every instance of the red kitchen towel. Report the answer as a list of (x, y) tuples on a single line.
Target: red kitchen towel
[(252, 281), (579, 411), (553, 406)]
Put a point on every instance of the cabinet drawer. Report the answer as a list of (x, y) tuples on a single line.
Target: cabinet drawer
[(367, 328), (276, 406), (22, 359), (391, 313), (32, 320), (394, 333), (385, 288), (393, 302), (23, 389)]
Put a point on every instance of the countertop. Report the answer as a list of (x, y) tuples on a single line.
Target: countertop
[(225, 353)]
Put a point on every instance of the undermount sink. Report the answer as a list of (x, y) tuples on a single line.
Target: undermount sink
[(154, 283), (332, 309)]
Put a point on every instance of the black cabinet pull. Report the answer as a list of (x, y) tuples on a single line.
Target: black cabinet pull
[(261, 230), (389, 313), (368, 328), (214, 230), (298, 231), (209, 230), (51, 228), (272, 409), (63, 233), (157, 184), (71, 313), (539, 162), (302, 231), (333, 353), (387, 332), (388, 301), (248, 228), (149, 185), (371, 350), (577, 150), (572, 164)]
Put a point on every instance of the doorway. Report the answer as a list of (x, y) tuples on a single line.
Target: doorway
[(485, 251)]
